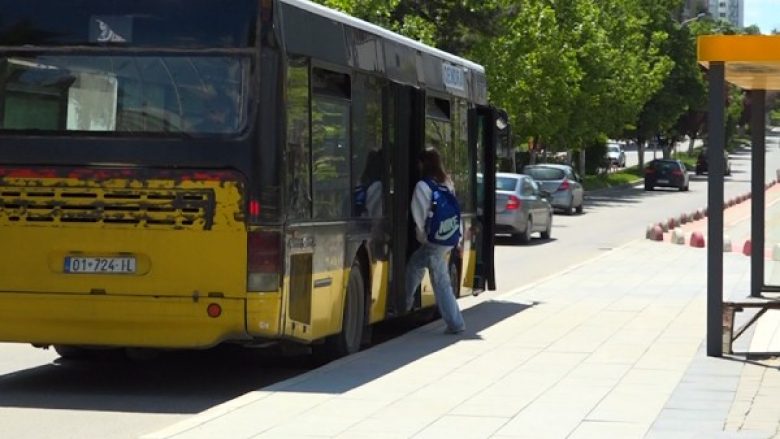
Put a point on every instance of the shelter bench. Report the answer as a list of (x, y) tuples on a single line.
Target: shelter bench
[(730, 308)]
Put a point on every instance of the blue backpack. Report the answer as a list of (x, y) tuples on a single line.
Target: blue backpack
[(443, 223)]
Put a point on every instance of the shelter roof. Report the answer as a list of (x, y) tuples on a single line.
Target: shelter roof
[(752, 62)]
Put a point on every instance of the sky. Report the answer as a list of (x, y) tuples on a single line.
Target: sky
[(764, 13)]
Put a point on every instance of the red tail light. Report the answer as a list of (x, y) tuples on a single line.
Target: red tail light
[(564, 185), (677, 173), (254, 208), (264, 261), (649, 171), (513, 203)]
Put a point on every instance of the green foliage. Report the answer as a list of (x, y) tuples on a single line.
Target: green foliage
[(570, 71), (602, 181)]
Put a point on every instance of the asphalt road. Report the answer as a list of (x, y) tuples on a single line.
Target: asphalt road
[(613, 218), (43, 397)]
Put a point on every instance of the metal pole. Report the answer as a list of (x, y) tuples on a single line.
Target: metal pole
[(715, 208), (757, 217)]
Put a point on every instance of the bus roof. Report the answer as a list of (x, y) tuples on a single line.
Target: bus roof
[(378, 30)]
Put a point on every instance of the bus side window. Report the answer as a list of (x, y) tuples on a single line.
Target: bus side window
[(298, 147), (368, 165), (330, 145)]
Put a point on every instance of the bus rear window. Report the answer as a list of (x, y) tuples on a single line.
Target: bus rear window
[(127, 94)]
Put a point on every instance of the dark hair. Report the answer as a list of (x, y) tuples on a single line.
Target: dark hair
[(432, 166), (375, 165)]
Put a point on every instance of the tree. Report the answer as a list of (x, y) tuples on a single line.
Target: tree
[(683, 89)]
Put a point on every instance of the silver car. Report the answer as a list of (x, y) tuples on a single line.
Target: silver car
[(562, 182), (615, 155), (521, 207)]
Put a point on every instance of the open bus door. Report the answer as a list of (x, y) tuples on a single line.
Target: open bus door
[(488, 130)]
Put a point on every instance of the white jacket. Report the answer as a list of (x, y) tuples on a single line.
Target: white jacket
[(421, 207)]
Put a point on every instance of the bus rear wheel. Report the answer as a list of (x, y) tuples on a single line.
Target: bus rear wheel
[(349, 340)]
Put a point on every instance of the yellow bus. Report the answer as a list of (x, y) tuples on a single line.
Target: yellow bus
[(183, 173)]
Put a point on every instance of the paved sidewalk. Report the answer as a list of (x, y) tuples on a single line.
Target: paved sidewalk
[(607, 349)]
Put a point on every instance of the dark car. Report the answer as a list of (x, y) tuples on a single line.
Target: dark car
[(666, 173), (701, 162)]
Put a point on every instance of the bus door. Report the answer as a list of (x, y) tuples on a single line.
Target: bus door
[(406, 133), (485, 125)]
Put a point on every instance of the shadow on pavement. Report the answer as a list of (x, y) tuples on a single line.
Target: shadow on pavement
[(506, 241), (621, 197), (353, 372), (176, 382)]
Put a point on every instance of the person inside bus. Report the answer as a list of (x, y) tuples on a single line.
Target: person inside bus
[(368, 199), (217, 113), (429, 255)]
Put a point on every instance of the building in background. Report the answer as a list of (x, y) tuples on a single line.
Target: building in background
[(732, 11)]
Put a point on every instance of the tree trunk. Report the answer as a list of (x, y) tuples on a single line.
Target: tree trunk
[(691, 144), (582, 161), (534, 148), (640, 149)]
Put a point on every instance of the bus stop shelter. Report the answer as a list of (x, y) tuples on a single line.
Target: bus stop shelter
[(751, 62)]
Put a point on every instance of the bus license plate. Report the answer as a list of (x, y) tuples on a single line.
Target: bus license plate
[(100, 265)]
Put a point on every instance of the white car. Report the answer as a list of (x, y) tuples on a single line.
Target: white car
[(616, 155)]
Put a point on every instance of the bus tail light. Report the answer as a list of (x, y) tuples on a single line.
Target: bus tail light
[(254, 209), (264, 261)]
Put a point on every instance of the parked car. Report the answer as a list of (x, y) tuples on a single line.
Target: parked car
[(701, 162), (521, 207), (666, 173), (562, 182), (616, 155)]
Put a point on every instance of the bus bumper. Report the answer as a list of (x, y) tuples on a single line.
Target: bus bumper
[(120, 321)]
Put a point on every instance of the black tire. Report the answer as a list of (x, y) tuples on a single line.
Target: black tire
[(525, 236), (649, 188), (548, 231), (569, 210), (581, 207), (686, 188), (350, 339)]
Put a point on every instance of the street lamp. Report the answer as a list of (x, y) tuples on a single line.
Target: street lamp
[(691, 20)]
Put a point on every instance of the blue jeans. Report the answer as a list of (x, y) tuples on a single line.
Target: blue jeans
[(433, 257)]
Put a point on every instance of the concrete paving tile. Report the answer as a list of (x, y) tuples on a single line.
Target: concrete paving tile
[(650, 376), (310, 425), (679, 401), (577, 395), (353, 408), (389, 426), (462, 427), (498, 406), (630, 404), (658, 361), (677, 425), (601, 430), (350, 434), (617, 354), (544, 420), (702, 414)]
